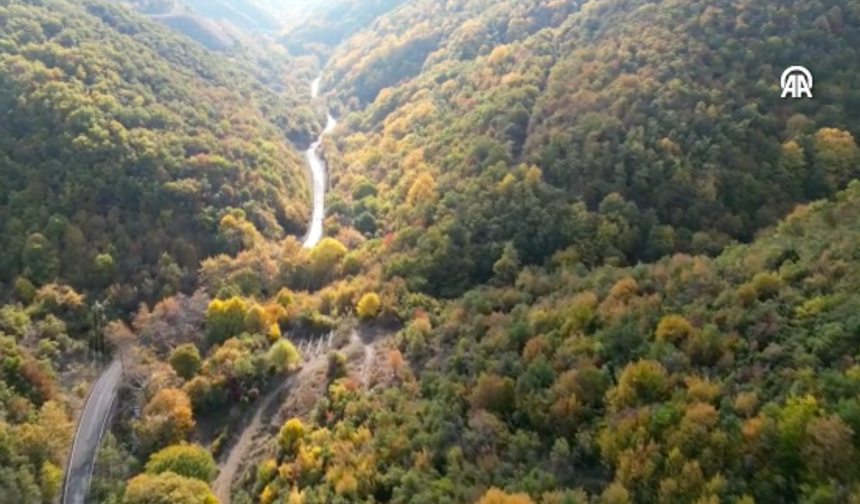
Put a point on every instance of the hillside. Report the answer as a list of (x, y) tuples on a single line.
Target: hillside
[(641, 141), (690, 380), (210, 22), (205, 31), (126, 145), (326, 23), (576, 252), (128, 154), (245, 14)]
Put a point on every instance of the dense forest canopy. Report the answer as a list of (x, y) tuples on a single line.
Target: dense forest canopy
[(125, 145), (654, 127), (693, 379)]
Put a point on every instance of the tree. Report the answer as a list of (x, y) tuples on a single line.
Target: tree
[(189, 460), (368, 305), (282, 356), (496, 496), (325, 257), (285, 298), (615, 494), (39, 259), (336, 366), (674, 329), (508, 265), (290, 435), (166, 419), (493, 393), (828, 449), (104, 270), (167, 488), (51, 478), (836, 155), (642, 382), (395, 358), (24, 289), (185, 360), (225, 319), (421, 190), (793, 171), (255, 320)]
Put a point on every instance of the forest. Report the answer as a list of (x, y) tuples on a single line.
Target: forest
[(646, 143), (575, 252), (116, 167)]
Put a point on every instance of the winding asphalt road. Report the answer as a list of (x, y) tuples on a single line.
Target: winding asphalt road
[(318, 177), (91, 426), (93, 421), (227, 469)]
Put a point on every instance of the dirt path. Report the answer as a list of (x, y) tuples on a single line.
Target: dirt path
[(369, 355), (230, 467), (275, 408), (267, 415)]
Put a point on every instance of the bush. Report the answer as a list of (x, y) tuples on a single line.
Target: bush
[(189, 460)]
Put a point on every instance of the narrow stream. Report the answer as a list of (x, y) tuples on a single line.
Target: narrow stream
[(318, 177)]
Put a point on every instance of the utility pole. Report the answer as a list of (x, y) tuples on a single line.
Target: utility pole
[(99, 319)]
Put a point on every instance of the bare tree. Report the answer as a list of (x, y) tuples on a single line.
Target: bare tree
[(172, 322)]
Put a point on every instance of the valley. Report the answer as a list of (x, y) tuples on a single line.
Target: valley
[(422, 252)]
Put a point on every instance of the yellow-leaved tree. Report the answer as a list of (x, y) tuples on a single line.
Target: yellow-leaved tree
[(189, 460), (496, 496), (291, 435), (324, 259), (225, 319), (167, 488), (166, 419), (368, 305)]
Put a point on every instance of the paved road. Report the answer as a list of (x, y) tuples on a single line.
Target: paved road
[(91, 426), (94, 418), (318, 178), (227, 470)]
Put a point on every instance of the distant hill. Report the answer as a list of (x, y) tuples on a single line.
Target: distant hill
[(210, 22), (205, 31), (328, 22), (245, 14)]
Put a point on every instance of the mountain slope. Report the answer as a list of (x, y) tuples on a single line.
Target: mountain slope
[(651, 129), (693, 379), (325, 24), (125, 145)]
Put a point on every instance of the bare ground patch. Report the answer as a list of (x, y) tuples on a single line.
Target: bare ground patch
[(367, 356)]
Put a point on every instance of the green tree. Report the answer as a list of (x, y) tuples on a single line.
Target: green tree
[(508, 265), (39, 258), (641, 382), (104, 270), (255, 320), (167, 488), (189, 460), (225, 319), (282, 356), (185, 360)]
